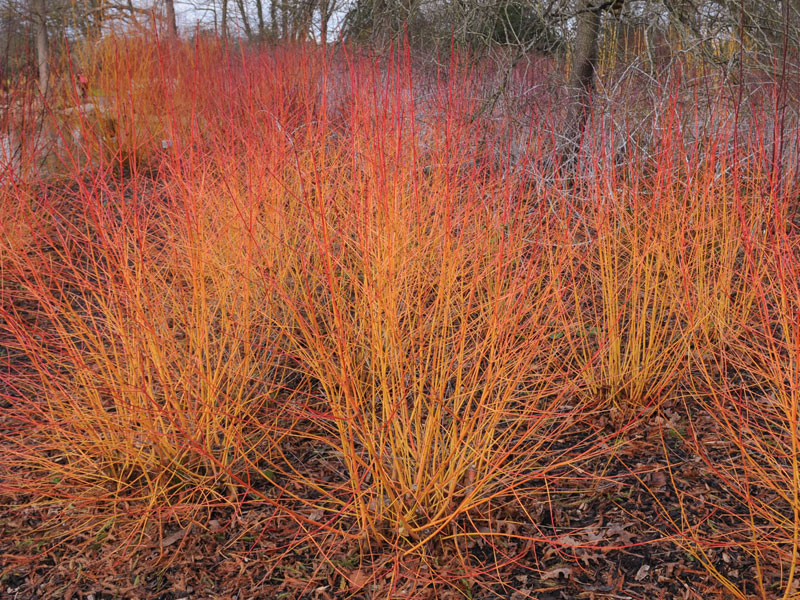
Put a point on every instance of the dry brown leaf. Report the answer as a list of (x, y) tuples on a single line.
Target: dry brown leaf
[(618, 530), (174, 537), (556, 573), (567, 540), (658, 480), (358, 579), (214, 525)]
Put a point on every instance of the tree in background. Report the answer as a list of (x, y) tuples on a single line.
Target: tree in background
[(721, 32), (583, 72), (260, 20), (172, 22), (39, 19)]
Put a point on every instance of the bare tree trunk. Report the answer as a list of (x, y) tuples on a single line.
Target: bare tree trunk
[(324, 17), (172, 23), (245, 21), (581, 80), (260, 13), (378, 18), (224, 24), (273, 18), (285, 19), (39, 13), (303, 19)]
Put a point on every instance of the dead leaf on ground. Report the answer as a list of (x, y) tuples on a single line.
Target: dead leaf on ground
[(557, 573), (358, 579), (174, 537)]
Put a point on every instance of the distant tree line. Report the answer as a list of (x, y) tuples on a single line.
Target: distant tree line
[(544, 26), (723, 32)]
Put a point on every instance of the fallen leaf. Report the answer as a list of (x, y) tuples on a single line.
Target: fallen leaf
[(174, 537), (567, 540), (214, 525), (618, 530), (659, 480), (358, 580), (557, 573)]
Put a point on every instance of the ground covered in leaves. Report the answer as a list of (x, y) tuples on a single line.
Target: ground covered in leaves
[(605, 540)]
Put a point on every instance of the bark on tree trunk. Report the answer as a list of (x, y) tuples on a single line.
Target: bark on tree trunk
[(581, 80), (260, 13), (172, 23), (324, 17), (285, 19), (303, 20), (224, 23), (245, 21), (42, 47), (273, 18)]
